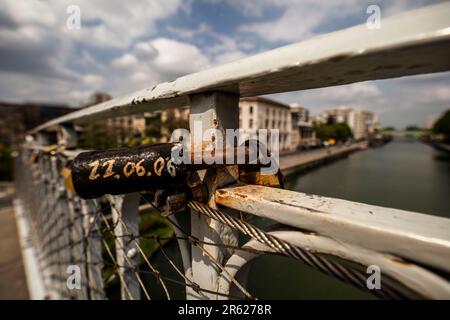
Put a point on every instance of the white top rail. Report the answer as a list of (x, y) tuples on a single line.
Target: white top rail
[(413, 236), (414, 42)]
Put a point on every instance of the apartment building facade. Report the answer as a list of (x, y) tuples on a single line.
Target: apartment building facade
[(303, 134), (361, 122), (263, 113), (293, 122)]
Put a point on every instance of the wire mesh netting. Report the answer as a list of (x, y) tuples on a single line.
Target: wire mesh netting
[(124, 247)]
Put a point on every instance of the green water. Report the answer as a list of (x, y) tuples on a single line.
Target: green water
[(404, 174)]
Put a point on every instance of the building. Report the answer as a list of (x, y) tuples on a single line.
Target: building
[(173, 118), (294, 123), (122, 128), (254, 113), (338, 115), (263, 113), (303, 134), (126, 127), (361, 122)]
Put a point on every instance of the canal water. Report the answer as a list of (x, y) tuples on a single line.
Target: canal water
[(404, 174)]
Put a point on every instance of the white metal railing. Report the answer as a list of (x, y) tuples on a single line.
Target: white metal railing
[(412, 249)]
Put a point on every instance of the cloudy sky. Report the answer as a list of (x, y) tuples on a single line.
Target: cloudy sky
[(123, 46)]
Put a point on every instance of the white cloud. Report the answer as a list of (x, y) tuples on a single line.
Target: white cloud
[(29, 12), (440, 92), (147, 63), (352, 94), (299, 19), (92, 80), (229, 56), (178, 57), (35, 42), (127, 60), (157, 60), (98, 36), (120, 22), (365, 90), (203, 28), (145, 50), (140, 77)]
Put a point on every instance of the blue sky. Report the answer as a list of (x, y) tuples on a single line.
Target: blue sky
[(124, 46)]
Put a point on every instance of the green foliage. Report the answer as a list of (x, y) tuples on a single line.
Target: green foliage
[(153, 126), (337, 131), (413, 128), (6, 163), (97, 136), (442, 126)]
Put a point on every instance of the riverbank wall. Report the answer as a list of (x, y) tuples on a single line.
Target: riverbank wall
[(439, 145), (306, 160)]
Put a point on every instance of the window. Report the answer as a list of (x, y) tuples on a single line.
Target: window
[(250, 124), (251, 109)]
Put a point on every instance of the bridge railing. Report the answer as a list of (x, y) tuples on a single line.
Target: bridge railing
[(107, 247)]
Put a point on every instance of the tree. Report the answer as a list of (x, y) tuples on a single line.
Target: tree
[(96, 135), (413, 128), (153, 127), (336, 131), (442, 126)]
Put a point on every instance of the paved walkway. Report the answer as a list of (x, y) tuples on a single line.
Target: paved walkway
[(13, 283), (291, 163)]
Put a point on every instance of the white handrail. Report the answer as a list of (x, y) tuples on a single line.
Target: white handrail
[(414, 42)]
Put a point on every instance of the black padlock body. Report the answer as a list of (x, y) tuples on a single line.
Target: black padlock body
[(125, 170)]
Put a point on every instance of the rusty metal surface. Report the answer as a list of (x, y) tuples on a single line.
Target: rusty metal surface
[(414, 42), (118, 171), (413, 236), (214, 110)]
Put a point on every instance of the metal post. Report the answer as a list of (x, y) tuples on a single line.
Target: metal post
[(93, 249), (125, 215), (77, 256), (214, 110)]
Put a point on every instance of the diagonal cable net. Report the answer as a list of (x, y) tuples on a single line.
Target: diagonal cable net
[(115, 258)]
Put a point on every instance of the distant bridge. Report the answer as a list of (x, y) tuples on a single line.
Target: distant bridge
[(405, 133)]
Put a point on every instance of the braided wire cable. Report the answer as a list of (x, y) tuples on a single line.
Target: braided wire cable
[(346, 274)]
